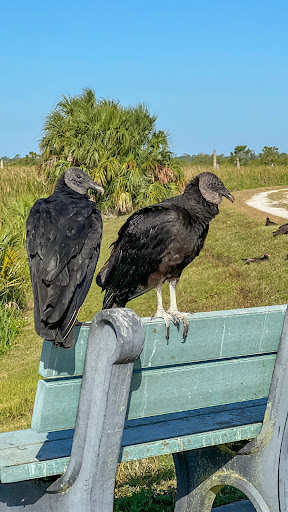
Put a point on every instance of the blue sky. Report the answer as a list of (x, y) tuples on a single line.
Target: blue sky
[(214, 72)]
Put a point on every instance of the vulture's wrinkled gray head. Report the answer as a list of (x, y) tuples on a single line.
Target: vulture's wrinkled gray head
[(212, 188), (78, 180)]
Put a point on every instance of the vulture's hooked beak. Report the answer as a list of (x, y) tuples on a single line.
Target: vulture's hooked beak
[(97, 187), (229, 196)]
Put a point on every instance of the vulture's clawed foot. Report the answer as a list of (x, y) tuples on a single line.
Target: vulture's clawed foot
[(177, 317), (161, 313)]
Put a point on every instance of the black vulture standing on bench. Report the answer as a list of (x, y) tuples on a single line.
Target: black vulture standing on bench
[(63, 240), (156, 243)]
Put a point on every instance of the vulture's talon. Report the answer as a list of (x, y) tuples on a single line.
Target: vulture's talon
[(177, 317), (186, 328), (167, 334), (161, 313)]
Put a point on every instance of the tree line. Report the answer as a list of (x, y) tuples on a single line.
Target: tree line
[(269, 155)]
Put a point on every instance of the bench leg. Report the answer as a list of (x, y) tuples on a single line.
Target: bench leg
[(202, 473), (192, 469)]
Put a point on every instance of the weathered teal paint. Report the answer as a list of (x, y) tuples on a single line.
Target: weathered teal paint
[(25, 453), (227, 357), (37, 469), (162, 391), (33, 470), (212, 335), (56, 362)]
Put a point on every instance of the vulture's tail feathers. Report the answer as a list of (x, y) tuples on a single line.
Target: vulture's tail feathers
[(66, 341), (102, 276), (110, 300)]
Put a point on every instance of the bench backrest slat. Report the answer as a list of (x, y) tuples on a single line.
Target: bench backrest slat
[(212, 335), (163, 391), (228, 357)]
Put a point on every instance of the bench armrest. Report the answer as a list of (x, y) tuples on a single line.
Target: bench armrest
[(115, 340)]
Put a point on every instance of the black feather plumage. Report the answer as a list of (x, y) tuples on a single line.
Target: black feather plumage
[(282, 230), (156, 243), (63, 240)]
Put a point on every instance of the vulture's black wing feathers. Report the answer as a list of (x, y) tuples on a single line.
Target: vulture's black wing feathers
[(63, 241), (157, 240), (156, 243)]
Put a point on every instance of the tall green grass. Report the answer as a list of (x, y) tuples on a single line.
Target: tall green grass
[(10, 322), (18, 180), (244, 178), (20, 187)]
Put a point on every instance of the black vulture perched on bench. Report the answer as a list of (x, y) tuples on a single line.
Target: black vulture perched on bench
[(64, 233), (156, 243)]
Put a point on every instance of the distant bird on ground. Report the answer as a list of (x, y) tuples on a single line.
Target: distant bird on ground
[(255, 260), (63, 240), (270, 222), (157, 242), (282, 230)]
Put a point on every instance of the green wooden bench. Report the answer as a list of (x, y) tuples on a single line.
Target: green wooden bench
[(190, 399)]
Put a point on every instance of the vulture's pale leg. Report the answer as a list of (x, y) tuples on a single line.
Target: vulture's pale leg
[(176, 315), (161, 313)]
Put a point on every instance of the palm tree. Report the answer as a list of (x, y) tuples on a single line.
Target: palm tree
[(118, 146)]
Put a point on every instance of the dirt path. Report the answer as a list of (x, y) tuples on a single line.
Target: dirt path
[(262, 201), (257, 203)]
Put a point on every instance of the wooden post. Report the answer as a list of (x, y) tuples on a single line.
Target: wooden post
[(238, 162), (1, 163), (214, 159)]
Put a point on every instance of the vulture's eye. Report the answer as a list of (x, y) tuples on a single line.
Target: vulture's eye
[(79, 177)]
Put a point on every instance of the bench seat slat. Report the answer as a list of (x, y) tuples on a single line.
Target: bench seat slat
[(19, 438), (164, 391), (211, 335), (190, 442), (48, 454), (34, 470)]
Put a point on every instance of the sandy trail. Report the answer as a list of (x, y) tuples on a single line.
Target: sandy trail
[(262, 202)]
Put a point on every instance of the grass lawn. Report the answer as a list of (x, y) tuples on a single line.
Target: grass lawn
[(216, 280)]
